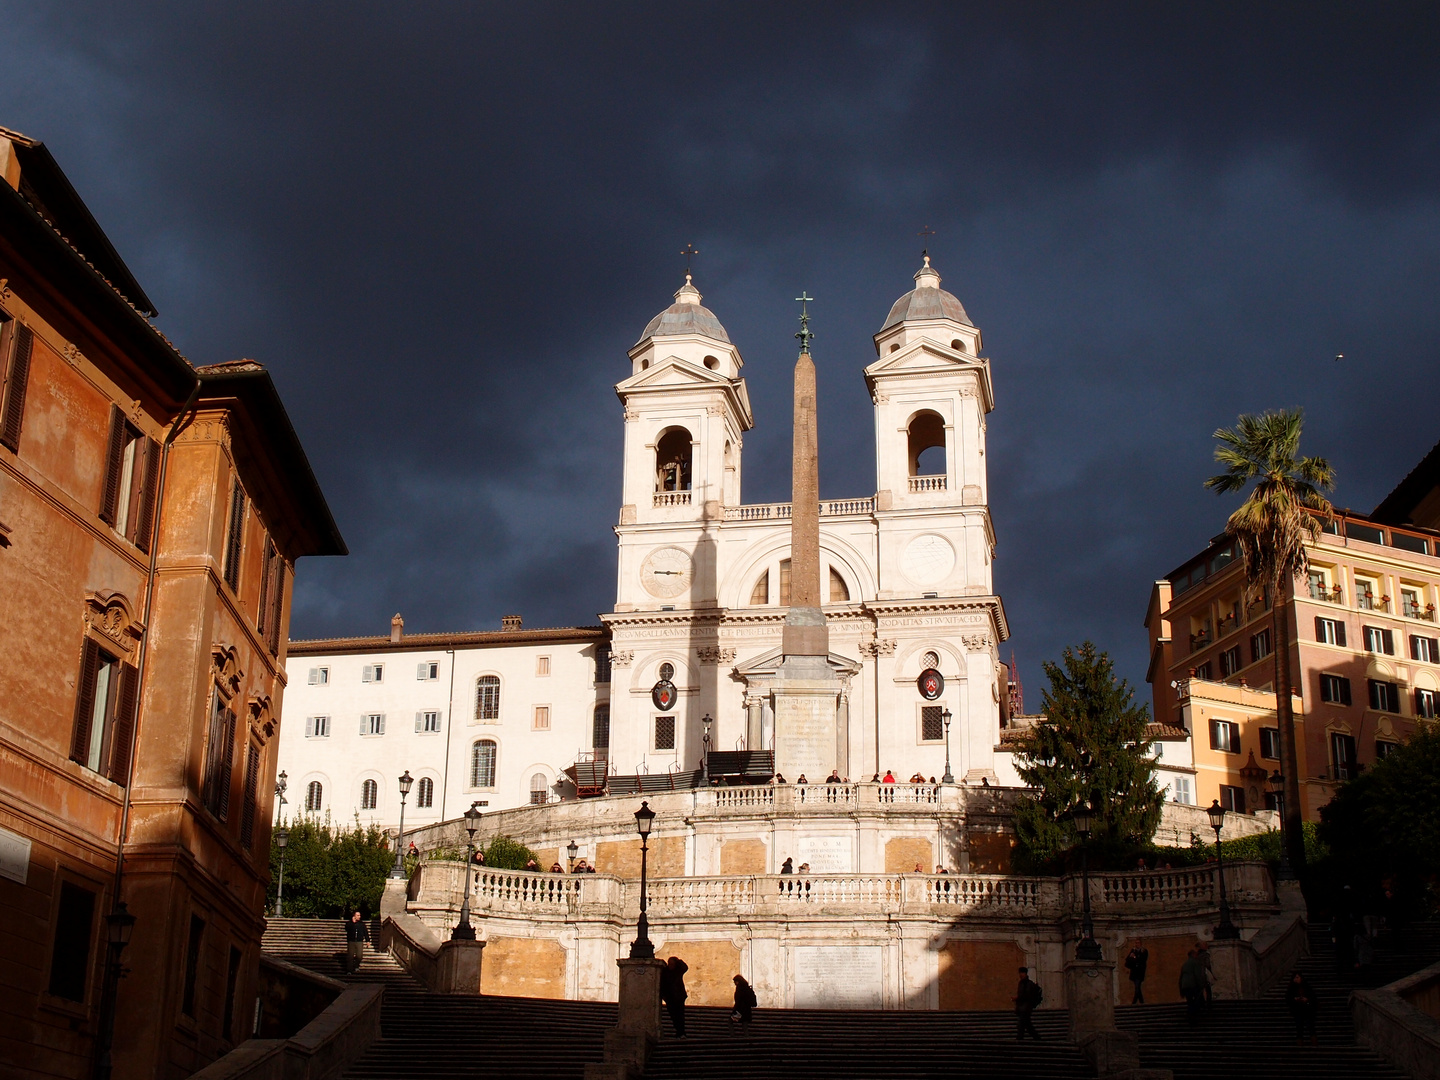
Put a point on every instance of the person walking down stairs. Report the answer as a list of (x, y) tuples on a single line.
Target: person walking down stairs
[(1027, 999), (356, 934), (672, 992), (744, 1004)]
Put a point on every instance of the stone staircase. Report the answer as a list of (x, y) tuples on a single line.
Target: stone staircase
[(1257, 1038)]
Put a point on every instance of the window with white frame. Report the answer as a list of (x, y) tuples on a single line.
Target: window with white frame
[(542, 718), (1260, 646), (1335, 689), (425, 793), (1367, 594), (1425, 704), (1329, 631), (1181, 788), (1230, 661), (369, 795), (372, 723), (427, 722), (482, 764), (317, 727), (1270, 743), (1424, 649), (542, 666), (664, 733), (427, 671), (1379, 640), (372, 673), (1410, 605), (1225, 736), (487, 699), (539, 789), (319, 676)]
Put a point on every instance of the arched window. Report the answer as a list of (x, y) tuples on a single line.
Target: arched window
[(672, 461), (600, 732), (314, 796), (895, 347), (369, 795), (487, 698), (958, 345), (539, 789), (761, 593), (425, 797), (839, 591), (482, 764), (927, 444)]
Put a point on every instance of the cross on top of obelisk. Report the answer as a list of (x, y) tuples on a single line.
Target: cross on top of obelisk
[(805, 333)]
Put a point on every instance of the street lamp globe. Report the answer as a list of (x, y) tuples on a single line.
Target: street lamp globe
[(643, 818), (472, 820), (1217, 815), (119, 924), (406, 780), (1081, 816), (282, 838)]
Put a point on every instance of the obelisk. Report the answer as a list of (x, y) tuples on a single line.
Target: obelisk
[(806, 690)]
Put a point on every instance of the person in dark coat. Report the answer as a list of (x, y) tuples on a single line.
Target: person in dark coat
[(1135, 964), (356, 934), (1300, 1000), (788, 866), (672, 992), (1027, 999), (744, 1003), (1192, 985)]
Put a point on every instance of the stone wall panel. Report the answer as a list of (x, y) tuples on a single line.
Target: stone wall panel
[(979, 974), (523, 967)]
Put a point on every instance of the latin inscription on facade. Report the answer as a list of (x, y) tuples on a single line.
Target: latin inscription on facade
[(837, 976), (827, 854)]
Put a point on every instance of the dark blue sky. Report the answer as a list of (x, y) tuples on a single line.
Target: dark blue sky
[(441, 226)]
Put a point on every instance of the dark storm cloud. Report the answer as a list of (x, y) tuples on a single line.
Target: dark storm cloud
[(442, 228)]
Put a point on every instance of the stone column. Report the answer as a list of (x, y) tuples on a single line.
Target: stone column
[(1237, 970), (754, 722)]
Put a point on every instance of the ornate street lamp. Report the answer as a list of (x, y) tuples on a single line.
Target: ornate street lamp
[(281, 783), (572, 849), (1277, 788), (463, 930), (1089, 948), (642, 949), (1227, 930), (119, 924), (398, 870), (705, 744), (282, 837), (949, 777)]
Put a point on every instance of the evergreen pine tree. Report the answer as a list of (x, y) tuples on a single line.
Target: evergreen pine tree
[(1092, 745)]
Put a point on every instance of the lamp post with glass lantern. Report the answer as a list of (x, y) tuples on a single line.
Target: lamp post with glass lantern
[(1277, 788), (398, 871), (1227, 930), (282, 837), (949, 777), (118, 926), (572, 849), (642, 949), (281, 784), (705, 747), (463, 930), (1089, 948)]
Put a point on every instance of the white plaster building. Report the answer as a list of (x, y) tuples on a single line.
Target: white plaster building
[(702, 586)]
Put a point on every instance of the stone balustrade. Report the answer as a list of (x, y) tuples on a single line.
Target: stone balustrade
[(781, 511)]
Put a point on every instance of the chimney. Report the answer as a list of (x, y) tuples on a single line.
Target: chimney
[(397, 628), (509, 622)]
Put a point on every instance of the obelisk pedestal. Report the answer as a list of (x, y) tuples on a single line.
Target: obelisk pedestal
[(806, 690)]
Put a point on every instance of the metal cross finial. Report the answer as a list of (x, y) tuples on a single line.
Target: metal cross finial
[(689, 251), (923, 233), (805, 333)]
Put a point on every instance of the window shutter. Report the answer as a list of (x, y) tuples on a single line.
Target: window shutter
[(85, 702), (1389, 636), (252, 784), (382, 723), (367, 674), (1339, 633), (1319, 628), (145, 518), (235, 537), (225, 764), (124, 729), (114, 465), (309, 725), (16, 382), (419, 721), (277, 598), (1344, 691), (364, 723), (1434, 650), (314, 676), (423, 671)]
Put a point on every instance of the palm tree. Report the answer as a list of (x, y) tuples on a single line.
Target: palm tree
[(1272, 527)]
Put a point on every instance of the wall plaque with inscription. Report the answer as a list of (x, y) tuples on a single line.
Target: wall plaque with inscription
[(837, 976), (827, 854)]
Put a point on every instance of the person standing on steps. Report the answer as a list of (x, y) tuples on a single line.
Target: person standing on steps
[(744, 1003), (1207, 972), (1192, 985), (356, 934), (1027, 999), (672, 992), (1135, 964), (1300, 1000)]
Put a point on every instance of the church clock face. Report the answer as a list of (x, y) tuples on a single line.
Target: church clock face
[(667, 572)]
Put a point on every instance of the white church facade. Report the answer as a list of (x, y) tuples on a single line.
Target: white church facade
[(701, 597)]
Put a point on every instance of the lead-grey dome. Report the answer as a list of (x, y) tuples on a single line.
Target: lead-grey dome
[(686, 316), (926, 301)]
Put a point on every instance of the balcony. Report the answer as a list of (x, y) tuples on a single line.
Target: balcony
[(672, 498), (1368, 601), (781, 511), (927, 483), (1329, 596), (1415, 611)]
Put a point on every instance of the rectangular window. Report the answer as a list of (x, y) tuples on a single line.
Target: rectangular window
[(785, 583), (542, 718), (428, 671), (427, 722), (542, 666), (1409, 543), (235, 537), (372, 723), (70, 952), (1335, 689), (317, 727), (932, 723), (252, 792), (132, 466), (1260, 645), (372, 673), (219, 758), (1232, 798), (1424, 649), (232, 980), (105, 697), (1384, 748), (602, 664), (1270, 743), (1384, 696), (1329, 631), (487, 698), (1230, 661), (1369, 533), (1204, 671), (1425, 704), (1225, 736), (1379, 640), (1410, 603), (1342, 751), (1367, 595), (17, 342), (665, 733), (1319, 589), (192, 965), (272, 599), (319, 676), (1182, 790), (1272, 801)]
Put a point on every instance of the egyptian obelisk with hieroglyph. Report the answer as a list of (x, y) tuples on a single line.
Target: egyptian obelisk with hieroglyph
[(806, 690)]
